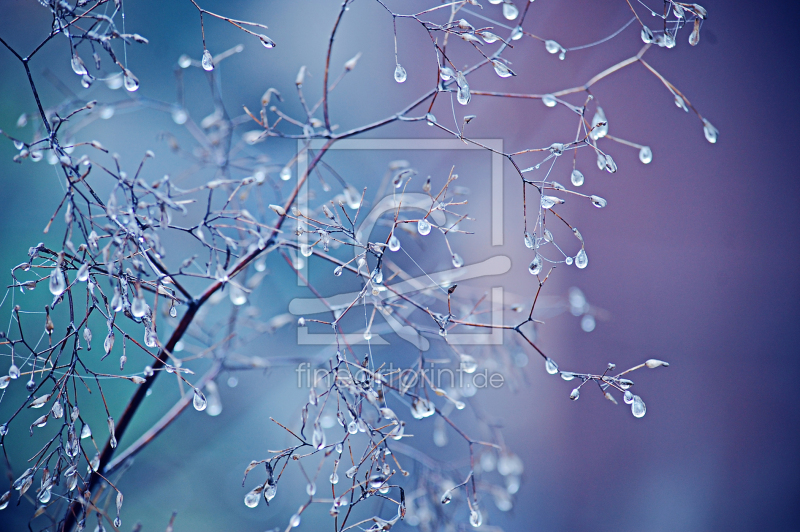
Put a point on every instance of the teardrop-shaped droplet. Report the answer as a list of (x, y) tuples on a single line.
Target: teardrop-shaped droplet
[(536, 265), (78, 66), (552, 47), (351, 472), (237, 295), (581, 260), (294, 521), (394, 243), (199, 401), (550, 366), (446, 73), (502, 70), (468, 364), (550, 201), (610, 165), (577, 178), (647, 35), (598, 202), (138, 307), (334, 478), (646, 154), (599, 131), (131, 83), (85, 431), (253, 497), (83, 272), (530, 242), (517, 33), (710, 132), (13, 371), (108, 343), (463, 95), (179, 115), (306, 250), (475, 518), (57, 283), (207, 62), (575, 394), (637, 407), (266, 41), (423, 227), (627, 397), (510, 11), (457, 260), (173, 311), (400, 74), (286, 173)]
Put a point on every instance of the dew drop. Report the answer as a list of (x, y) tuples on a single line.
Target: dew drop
[(13, 371), (599, 131), (138, 307), (647, 35), (457, 260), (711, 134), (179, 115), (207, 62), (581, 260), (199, 401), (4, 380), (78, 66), (598, 202), (567, 375), (475, 518), (294, 521), (463, 95), (501, 69), (400, 75), (577, 178), (468, 364), (549, 100), (530, 242), (627, 397), (57, 283), (517, 33), (423, 227), (337, 271), (85, 431), (552, 47), (447, 73), (646, 154), (394, 243), (550, 201), (637, 407), (575, 394), (306, 250), (83, 272), (550, 366), (173, 311), (510, 11), (536, 265), (286, 173), (334, 478), (252, 499), (588, 323), (131, 83), (568, 261)]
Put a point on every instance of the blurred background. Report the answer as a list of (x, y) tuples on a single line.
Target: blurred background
[(693, 261)]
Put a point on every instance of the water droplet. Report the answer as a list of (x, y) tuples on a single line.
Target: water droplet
[(199, 401), (207, 62), (400, 74), (108, 343), (647, 35), (468, 364), (138, 307), (588, 323), (271, 491), (502, 70), (294, 521), (423, 227), (463, 95), (173, 311), (422, 408), (598, 202), (550, 201), (13, 371), (599, 131), (351, 472), (530, 242), (581, 260), (266, 41), (286, 173), (517, 33), (567, 375), (85, 431), (575, 394), (306, 250), (577, 178), (550, 366), (646, 154), (446, 73), (568, 261), (549, 100), (637, 407), (352, 428), (627, 397), (536, 265), (179, 115), (57, 283), (78, 66), (4, 380), (475, 518), (510, 11), (311, 489), (83, 272), (337, 271), (710, 132), (394, 243), (131, 83), (552, 47), (457, 260), (253, 497)]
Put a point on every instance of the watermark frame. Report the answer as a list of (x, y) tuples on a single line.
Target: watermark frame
[(496, 265)]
